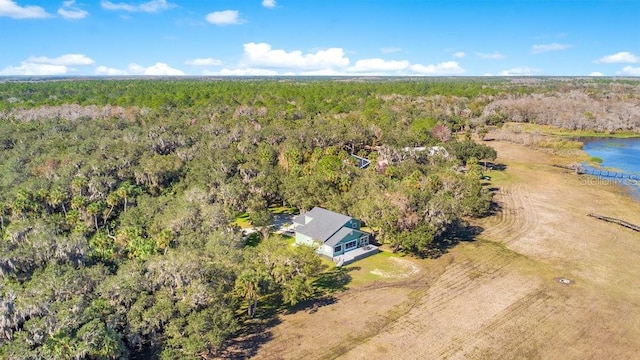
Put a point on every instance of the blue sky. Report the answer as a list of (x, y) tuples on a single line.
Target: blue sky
[(329, 37)]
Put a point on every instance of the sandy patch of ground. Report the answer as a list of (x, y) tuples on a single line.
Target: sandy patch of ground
[(499, 297), (402, 269)]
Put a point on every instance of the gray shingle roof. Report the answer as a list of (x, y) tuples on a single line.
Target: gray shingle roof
[(324, 225), (341, 234)]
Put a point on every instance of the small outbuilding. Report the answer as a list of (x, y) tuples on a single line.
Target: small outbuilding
[(336, 236)]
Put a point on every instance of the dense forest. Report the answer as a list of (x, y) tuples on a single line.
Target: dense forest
[(117, 197)]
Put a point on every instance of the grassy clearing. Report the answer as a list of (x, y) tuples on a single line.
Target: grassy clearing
[(497, 176), (383, 266), (566, 133), (277, 210), (334, 279), (243, 220), (289, 239), (560, 144)]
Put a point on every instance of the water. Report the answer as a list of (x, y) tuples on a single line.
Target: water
[(622, 155)]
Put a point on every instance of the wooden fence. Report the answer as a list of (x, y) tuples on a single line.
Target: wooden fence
[(606, 173), (616, 221)]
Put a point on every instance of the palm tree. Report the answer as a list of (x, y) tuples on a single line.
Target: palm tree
[(59, 346), (22, 203), (94, 209), (56, 198), (250, 285), (112, 200), (102, 243), (77, 185), (124, 191), (99, 341), (164, 239), (111, 344), (79, 209)]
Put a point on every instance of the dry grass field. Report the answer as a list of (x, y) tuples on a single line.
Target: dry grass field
[(498, 297)]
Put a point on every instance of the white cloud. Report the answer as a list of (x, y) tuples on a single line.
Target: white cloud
[(445, 68), (108, 5), (520, 71), (9, 8), (459, 55), (136, 69), (543, 48), (262, 55), (225, 17), (492, 56), (629, 70), (68, 11), (596, 73), (152, 6), (378, 65), (203, 62), (269, 3), (103, 70), (65, 60), (162, 69), (43, 65), (27, 68), (62, 65), (262, 59), (72, 14), (621, 57), (390, 50), (158, 69)]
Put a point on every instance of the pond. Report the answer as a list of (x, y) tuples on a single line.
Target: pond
[(621, 155)]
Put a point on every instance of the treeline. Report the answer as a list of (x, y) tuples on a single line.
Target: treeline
[(607, 108), (581, 104), (116, 224), (193, 92)]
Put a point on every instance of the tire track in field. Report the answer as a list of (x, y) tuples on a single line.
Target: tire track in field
[(516, 217), (459, 279), (512, 329)]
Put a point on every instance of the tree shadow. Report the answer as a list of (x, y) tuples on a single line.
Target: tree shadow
[(312, 305), (335, 279), (253, 239), (248, 341), (463, 232), (489, 165), (256, 331), (328, 283), (494, 207)]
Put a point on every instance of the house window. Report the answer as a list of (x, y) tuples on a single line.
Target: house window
[(337, 248), (350, 245)]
